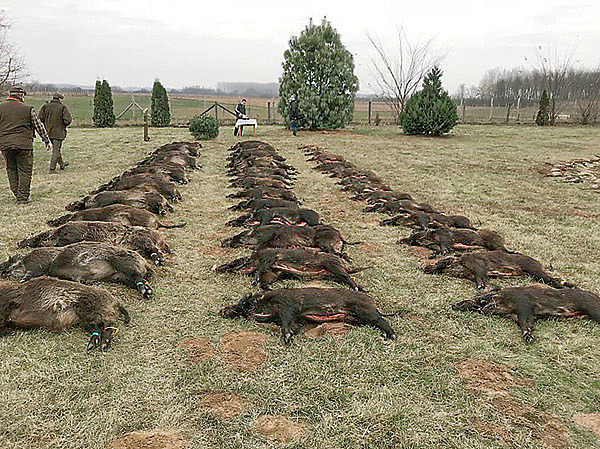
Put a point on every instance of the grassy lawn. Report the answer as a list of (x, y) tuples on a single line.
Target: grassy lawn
[(360, 392)]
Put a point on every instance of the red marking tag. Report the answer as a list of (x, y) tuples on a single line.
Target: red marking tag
[(332, 317), (261, 315)]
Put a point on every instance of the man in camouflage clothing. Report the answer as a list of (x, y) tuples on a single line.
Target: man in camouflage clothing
[(18, 124), (56, 117)]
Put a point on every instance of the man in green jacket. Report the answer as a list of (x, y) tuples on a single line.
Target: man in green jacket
[(56, 117), (18, 124)]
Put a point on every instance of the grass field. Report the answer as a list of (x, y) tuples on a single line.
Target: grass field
[(360, 392)]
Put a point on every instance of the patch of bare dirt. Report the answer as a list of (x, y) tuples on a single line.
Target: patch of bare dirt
[(317, 284), (338, 331), (589, 421), (279, 429), (483, 376), (154, 439), (422, 254), (197, 349), (223, 405), (212, 250), (371, 247), (243, 351), (491, 382)]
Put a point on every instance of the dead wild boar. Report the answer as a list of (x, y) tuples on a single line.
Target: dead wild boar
[(252, 183), (269, 265), (422, 220), (262, 162), (158, 182), (241, 181), (481, 265), (289, 216), (259, 204), (290, 308), (443, 240), (265, 193), (150, 201), (316, 238), (191, 148), (57, 305), (149, 243), (525, 304), (175, 172), (83, 262), (381, 196), (173, 157), (261, 172), (397, 206), (359, 186), (117, 213)]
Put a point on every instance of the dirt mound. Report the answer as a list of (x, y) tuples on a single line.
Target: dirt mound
[(338, 331), (589, 421), (491, 383), (222, 404), (243, 351), (483, 376), (279, 429), (154, 439), (197, 349)]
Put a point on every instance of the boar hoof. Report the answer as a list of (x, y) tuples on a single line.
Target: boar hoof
[(528, 336)]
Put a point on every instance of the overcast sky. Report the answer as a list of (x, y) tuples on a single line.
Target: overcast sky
[(185, 43)]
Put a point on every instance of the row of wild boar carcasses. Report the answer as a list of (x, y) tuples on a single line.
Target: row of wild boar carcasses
[(288, 240), (110, 235), (462, 250)]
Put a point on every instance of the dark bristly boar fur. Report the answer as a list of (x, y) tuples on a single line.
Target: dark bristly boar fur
[(397, 206), (241, 181), (322, 237), (83, 262), (149, 243), (481, 265), (260, 204), (117, 213), (265, 193), (54, 304), (269, 265), (290, 216), (443, 240), (291, 308), (525, 304), (254, 183), (158, 182), (422, 220), (381, 196), (150, 201), (175, 172)]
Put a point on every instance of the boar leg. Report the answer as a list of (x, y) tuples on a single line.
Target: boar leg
[(239, 221), (266, 277), (233, 266), (479, 269), (374, 319), (525, 320), (340, 274), (96, 336), (107, 335)]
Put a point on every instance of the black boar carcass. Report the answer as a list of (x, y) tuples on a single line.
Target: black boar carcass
[(525, 304), (269, 265), (149, 243), (117, 213), (83, 262), (56, 305), (481, 265), (289, 216), (153, 182), (151, 201), (423, 220), (444, 240), (290, 308)]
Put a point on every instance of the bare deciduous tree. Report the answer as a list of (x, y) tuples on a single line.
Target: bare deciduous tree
[(556, 70), (12, 67), (400, 73)]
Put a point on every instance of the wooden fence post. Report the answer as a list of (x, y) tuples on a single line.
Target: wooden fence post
[(508, 112), (462, 106), (519, 108), (369, 112), (216, 113), (491, 107), (146, 134), (268, 112)]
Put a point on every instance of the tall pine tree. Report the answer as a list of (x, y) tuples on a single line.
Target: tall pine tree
[(543, 116), (104, 114), (159, 108), (431, 111), (319, 72)]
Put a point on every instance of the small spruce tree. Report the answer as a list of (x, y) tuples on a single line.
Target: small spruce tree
[(431, 111), (159, 107), (543, 117), (104, 114)]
